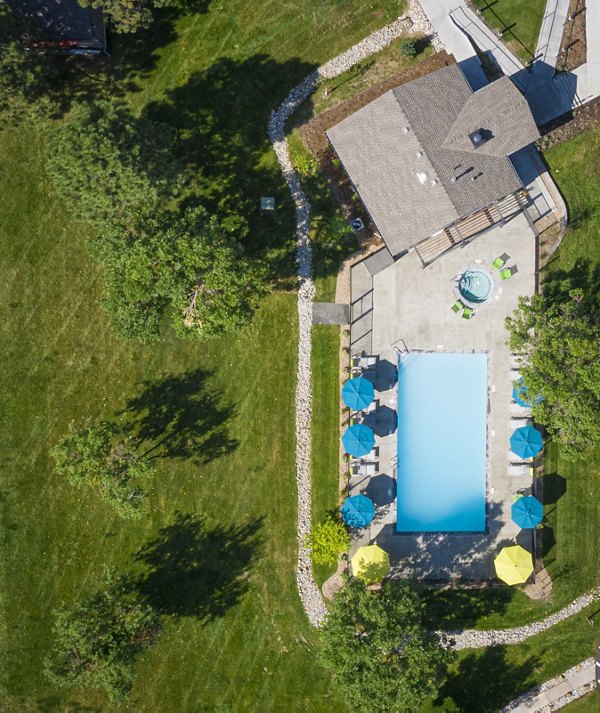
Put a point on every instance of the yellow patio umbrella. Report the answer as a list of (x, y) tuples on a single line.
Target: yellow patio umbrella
[(370, 563), (513, 565)]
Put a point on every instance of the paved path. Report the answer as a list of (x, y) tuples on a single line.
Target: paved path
[(548, 96), (456, 43), (551, 32), (557, 692)]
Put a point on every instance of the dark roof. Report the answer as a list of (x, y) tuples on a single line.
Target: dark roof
[(423, 127), (64, 20)]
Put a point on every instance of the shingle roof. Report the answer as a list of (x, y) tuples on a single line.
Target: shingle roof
[(440, 110), (64, 20)]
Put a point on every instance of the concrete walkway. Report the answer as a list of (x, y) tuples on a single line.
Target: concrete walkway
[(558, 692), (549, 96), (551, 32)]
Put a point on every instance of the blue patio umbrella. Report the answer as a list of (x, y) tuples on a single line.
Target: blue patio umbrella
[(526, 442), (527, 512), (358, 440), (358, 393), (358, 511)]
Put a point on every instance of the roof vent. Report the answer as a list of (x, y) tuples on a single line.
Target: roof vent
[(406, 129), (419, 154), (479, 137), (434, 182), (423, 176)]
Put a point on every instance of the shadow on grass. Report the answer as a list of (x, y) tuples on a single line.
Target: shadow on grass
[(221, 116), (53, 704), (180, 416), (131, 58), (193, 570), (507, 29), (584, 276), (456, 608), (555, 486), (485, 681)]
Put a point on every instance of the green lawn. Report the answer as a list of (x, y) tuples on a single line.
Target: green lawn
[(216, 76), (521, 24)]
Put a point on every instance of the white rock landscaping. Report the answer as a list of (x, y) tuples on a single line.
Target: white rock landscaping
[(416, 21), (473, 639)]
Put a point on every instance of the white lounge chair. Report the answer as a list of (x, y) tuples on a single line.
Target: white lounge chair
[(367, 468), (519, 469)]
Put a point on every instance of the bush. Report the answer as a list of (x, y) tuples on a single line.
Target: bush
[(328, 540), (305, 162), (408, 48)]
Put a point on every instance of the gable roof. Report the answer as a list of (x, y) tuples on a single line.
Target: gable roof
[(422, 127)]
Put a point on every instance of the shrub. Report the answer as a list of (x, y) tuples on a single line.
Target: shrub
[(408, 47), (328, 540)]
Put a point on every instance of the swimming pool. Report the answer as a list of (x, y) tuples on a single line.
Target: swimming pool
[(442, 429)]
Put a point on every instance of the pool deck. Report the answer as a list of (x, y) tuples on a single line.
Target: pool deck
[(412, 303)]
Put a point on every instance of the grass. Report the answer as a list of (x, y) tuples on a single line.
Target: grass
[(484, 680), (62, 363), (215, 75), (521, 29)]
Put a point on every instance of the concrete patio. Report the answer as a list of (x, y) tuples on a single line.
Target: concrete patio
[(406, 306)]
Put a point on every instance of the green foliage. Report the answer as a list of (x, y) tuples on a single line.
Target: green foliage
[(408, 47), (305, 162), (334, 240), (376, 645), (26, 75), (97, 641), (328, 540), (185, 261), (563, 376), (106, 459), (108, 165), (128, 16)]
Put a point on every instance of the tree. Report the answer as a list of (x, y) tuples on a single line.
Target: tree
[(26, 74), (408, 47), (562, 377), (128, 15), (96, 641), (187, 262), (376, 645), (110, 166), (105, 458), (328, 540)]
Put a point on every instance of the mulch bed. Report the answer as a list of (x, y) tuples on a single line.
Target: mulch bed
[(573, 46), (314, 136)]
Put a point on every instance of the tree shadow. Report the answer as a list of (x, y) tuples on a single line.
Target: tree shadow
[(583, 275), (221, 116), (447, 564), (555, 486), (180, 416), (485, 680), (192, 570)]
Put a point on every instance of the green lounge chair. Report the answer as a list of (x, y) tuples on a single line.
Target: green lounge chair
[(457, 306), (468, 313), (506, 274), (500, 261)]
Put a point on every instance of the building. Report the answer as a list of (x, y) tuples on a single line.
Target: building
[(430, 160), (66, 24)]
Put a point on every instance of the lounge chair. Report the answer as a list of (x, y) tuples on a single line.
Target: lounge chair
[(457, 306), (468, 312), (367, 468), (521, 469), (509, 272), (500, 261)]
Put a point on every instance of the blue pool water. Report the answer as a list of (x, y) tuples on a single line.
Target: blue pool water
[(442, 425)]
